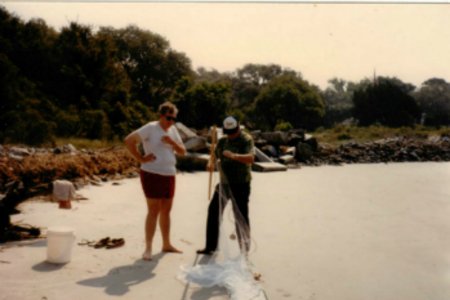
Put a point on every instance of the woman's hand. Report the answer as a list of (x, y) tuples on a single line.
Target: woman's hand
[(168, 140), (148, 158)]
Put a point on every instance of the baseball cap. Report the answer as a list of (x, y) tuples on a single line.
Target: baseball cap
[(230, 125)]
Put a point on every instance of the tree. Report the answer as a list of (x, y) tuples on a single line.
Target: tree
[(338, 102), (433, 98), (385, 103), (152, 66), (202, 105), (289, 99)]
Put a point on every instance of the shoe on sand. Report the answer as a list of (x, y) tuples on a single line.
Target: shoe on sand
[(205, 251), (102, 243), (87, 242), (114, 243)]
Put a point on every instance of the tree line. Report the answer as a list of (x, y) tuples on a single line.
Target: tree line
[(102, 84)]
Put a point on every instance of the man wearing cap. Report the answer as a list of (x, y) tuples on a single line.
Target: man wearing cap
[(236, 153)]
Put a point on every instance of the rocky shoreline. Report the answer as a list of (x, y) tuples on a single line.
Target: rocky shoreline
[(29, 172)]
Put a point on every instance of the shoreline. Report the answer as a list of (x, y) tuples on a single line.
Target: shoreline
[(356, 232)]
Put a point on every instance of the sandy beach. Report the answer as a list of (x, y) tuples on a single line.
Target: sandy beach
[(372, 232)]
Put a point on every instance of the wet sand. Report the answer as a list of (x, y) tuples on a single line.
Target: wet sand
[(372, 232)]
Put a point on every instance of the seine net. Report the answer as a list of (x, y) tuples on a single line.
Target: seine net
[(229, 266)]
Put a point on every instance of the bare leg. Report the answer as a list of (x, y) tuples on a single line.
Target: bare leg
[(154, 207), (164, 223)]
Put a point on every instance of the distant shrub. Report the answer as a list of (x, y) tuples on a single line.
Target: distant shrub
[(320, 129), (285, 126), (344, 136), (94, 124), (444, 131)]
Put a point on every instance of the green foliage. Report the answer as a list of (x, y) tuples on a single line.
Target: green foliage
[(433, 98), (386, 103), (291, 99), (284, 126), (203, 104), (68, 122), (344, 136), (152, 66), (94, 124)]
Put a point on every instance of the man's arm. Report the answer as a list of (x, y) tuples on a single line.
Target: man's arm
[(248, 158), (130, 142)]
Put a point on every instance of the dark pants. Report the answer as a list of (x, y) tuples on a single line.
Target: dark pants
[(240, 193)]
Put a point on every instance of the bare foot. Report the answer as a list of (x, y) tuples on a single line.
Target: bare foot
[(171, 248), (147, 255)]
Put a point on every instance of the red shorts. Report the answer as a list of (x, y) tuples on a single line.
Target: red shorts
[(157, 186)]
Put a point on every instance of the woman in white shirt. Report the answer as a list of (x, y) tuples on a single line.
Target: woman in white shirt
[(160, 140)]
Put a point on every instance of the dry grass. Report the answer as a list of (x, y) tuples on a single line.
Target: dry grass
[(49, 167)]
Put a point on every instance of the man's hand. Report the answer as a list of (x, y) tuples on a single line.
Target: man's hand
[(168, 140), (210, 167), (148, 158), (228, 154)]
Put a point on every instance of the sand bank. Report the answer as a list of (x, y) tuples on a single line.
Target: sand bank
[(354, 232)]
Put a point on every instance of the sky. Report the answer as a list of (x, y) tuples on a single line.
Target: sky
[(322, 41)]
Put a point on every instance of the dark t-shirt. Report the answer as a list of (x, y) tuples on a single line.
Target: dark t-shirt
[(234, 171)]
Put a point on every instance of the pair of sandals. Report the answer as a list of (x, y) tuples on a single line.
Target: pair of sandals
[(105, 242)]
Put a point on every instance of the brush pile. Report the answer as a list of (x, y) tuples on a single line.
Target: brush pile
[(27, 172)]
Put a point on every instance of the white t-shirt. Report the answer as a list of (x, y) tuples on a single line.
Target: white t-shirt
[(165, 161)]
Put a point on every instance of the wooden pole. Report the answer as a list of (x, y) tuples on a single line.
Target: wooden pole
[(211, 159)]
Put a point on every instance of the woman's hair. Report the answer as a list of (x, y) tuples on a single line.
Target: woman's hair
[(167, 107)]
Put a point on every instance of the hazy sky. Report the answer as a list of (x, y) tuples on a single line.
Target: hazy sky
[(322, 41)]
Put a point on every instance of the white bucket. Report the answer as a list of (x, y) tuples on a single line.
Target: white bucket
[(59, 244)]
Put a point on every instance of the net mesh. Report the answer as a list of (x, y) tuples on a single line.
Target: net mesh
[(229, 266)]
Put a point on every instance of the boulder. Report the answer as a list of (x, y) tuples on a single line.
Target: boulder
[(276, 138), (192, 161), (19, 151), (286, 159), (194, 144), (303, 152), (184, 132), (311, 141), (261, 157)]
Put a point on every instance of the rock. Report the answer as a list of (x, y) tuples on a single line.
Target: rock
[(184, 132), (15, 157), (96, 178), (286, 159), (133, 175), (268, 167), (117, 176), (303, 152), (276, 138), (294, 139), (270, 150), (71, 148), (195, 144), (259, 143), (261, 157), (19, 151), (310, 140), (96, 183), (192, 161)]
